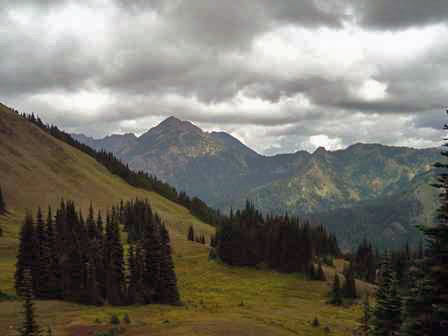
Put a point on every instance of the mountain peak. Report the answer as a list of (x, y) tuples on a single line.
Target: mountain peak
[(177, 124), (320, 150)]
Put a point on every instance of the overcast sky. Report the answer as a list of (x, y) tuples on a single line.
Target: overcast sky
[(281, 75)]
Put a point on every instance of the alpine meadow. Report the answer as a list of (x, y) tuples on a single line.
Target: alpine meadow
[(223, 168)]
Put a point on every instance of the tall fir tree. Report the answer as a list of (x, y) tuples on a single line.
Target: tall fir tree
[(55, 270), (42, 269), (2, 203), (426, 313), (336, 292), (168, 285), (28, 326), (152, 259), (349, 289), (26, 257), (190, 235), (366, 316), (115, 279), (387, 311)]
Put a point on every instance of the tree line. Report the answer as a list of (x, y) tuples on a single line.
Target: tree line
[(139, 179), (412, 295), (83, 260), (283, 243)]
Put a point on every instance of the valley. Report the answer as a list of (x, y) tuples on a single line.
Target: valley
[(36, 170), (325, 185)]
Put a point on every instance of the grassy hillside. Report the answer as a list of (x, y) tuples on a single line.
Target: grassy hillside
[(36, 169)]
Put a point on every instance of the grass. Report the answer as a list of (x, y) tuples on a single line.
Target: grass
[(217, 299), (36, 170)]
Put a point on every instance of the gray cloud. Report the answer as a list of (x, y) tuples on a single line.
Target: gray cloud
[(199, 60), (399, 14)]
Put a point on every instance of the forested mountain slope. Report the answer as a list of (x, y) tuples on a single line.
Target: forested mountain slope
[(365, 189)]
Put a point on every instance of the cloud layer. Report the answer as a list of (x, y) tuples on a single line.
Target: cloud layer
[(280, 75)]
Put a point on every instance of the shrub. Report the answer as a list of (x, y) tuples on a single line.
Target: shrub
[(114, 319)]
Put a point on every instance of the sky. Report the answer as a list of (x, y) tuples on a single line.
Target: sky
[(280, 75)]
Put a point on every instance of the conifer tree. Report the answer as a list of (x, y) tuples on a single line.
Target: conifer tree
[(191, 236), (29, 326), (168, 289), (387, 311), (42, 268), (320, 273), (366, 316), (93, 290), (2, 203), (349, 289), (115, 278), (91, 225), (54, 267), (336, 295), (132, 276), (417, 306), (26, 257), (152, 259), (427, 312)]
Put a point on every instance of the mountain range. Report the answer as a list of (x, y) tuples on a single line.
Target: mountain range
[(348, 183)]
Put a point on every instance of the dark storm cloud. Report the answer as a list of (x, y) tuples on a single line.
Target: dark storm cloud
[(195, 59), (400, 14), (235, 23)]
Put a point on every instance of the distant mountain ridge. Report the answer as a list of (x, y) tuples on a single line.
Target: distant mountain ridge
[(224, 172)]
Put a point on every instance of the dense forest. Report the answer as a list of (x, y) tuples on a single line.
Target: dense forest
[(283, 243), (83, 260), (138, 179), (412, 294)]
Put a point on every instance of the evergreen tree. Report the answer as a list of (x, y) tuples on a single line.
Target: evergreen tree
[(133, 276), (426, 309), (2, 203), (91, 225), (42, 268), (93, 290), (55, 270), (29, 326), (115, 278), (417, 306), (26, 257), (320, 273), (168, 289), (366, 316), (336, 295), (152, 259), (191, 236), (349, 289), (387, 311)]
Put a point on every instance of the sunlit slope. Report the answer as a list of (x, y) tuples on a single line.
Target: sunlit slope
[(37, 169)]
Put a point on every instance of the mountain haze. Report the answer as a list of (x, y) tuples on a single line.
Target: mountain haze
[(224, 172)]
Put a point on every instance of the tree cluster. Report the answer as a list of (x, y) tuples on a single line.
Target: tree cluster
[(192, 236), (421, 306), (83, 260), (346, 291), (283, 243)]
